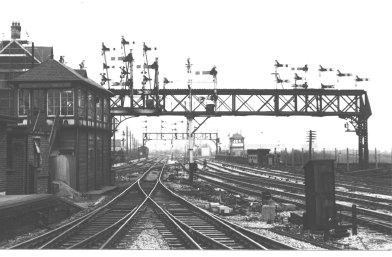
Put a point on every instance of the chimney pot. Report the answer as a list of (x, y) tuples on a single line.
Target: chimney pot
[(15, 30)]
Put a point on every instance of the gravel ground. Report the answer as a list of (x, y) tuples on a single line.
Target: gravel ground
[(149, 239), (368, 240), (257, 226), (365, 240)]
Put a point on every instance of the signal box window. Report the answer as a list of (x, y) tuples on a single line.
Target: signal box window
[(60, 101), (82, 106), (106, 112), (90, 109), (24, 102)]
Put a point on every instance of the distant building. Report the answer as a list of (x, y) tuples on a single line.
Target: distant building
[(258, 156), (237, 145)]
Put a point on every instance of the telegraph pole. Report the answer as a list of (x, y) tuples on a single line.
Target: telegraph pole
[(127, 136), (310, 138)]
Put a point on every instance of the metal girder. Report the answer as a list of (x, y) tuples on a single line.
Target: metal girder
[(361, 129), (199, 124), (346, 104), (181, 136), (178, 136), (243, 102)]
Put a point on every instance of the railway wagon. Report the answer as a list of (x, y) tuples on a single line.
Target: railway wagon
[(143, 151)]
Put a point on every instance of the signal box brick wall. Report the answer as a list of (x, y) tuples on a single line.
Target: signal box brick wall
[(26, 176), (92, 156), (16, 173)]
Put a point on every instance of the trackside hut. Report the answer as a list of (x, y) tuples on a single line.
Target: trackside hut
[(66, 117)]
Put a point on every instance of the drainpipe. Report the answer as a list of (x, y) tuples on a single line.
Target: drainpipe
[(32, 55)]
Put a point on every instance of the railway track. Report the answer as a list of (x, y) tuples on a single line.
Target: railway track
[(146, 215), (136, 166), (383, 225), (148, 205), (366, 217), (90, 224), (342, 180), (199, 222), (369, 202)]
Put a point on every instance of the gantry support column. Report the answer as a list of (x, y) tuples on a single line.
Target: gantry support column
[(190, 138), (363, 147)]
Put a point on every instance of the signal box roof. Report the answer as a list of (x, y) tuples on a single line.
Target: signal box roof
[(236, 136), (54, 71)]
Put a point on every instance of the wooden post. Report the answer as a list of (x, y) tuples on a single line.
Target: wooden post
[(285, 157), (302, 156), (336, 159), (323, 153), (127, 140), (130, 142), (375, 157), (326, 234), (274, 157), (292, 158), (348, 160), (354, 220)]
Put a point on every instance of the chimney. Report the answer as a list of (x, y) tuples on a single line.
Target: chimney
[(15, 30)]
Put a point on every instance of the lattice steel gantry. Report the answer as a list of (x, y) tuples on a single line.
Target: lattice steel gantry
[(181, 136), (346, 104)]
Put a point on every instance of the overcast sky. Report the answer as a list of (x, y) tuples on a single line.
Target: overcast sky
[(242, 38)]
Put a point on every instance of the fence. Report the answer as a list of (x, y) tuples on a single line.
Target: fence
[(345, 159)]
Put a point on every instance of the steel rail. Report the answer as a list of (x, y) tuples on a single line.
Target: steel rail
[(352, 185), (52, 235), (301, 196), (117, 235), (342, 196), (345, 215), (250, 243)]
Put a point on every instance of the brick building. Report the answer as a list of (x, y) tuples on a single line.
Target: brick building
[(64, 130), (66, 119), (4, 121)]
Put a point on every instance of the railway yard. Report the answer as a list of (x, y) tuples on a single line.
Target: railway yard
[(147, 151), (155, 207)]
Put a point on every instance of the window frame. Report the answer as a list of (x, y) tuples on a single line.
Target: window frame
[(60, 100), (91, 103), (22, 90), (98, 108)]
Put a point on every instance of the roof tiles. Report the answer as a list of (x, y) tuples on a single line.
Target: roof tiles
[(54, 71)]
